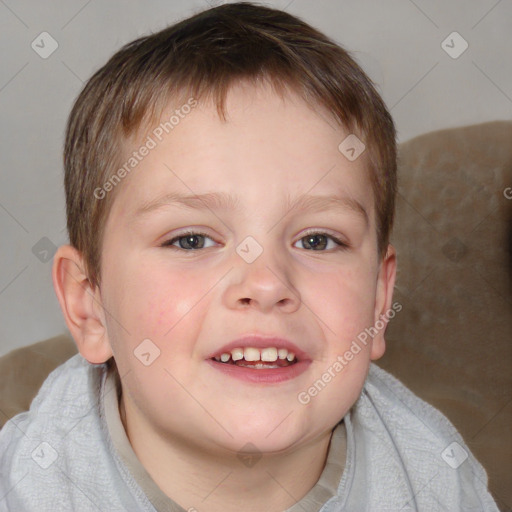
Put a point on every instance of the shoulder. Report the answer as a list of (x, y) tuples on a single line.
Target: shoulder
[(34, 444), (396, 402), (67, 394), (410, 451)]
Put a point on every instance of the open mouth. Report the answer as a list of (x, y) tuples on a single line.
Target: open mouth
[(257, 359), (260, 366)]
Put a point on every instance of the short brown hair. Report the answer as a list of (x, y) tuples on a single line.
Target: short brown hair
[(202, 57)]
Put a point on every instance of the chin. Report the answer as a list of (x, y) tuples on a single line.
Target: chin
[(265, 436)]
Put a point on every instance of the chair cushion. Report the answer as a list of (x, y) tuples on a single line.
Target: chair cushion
[(451, 343)]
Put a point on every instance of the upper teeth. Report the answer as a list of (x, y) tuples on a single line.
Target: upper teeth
[(255, 354)]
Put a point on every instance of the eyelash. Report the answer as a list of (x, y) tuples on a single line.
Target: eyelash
[(169, 243)]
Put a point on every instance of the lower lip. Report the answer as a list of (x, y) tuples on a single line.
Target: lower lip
[(262, 376)]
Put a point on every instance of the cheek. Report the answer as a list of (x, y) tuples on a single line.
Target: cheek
[(146, 301), (344, 302), (346, 308), (155, 300)]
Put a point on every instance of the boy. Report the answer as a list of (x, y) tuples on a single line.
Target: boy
[(230, 187)]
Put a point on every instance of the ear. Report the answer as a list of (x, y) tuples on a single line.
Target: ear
[(383, 301), (81, 305)]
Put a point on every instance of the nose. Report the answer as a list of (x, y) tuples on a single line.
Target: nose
[(264, 285)]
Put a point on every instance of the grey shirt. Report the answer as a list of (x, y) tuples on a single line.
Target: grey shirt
[(66, 453), (325, 488)]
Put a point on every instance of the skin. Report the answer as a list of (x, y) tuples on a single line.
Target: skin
[(185, 420)]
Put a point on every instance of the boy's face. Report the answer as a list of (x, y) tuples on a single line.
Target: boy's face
[(191, 302)]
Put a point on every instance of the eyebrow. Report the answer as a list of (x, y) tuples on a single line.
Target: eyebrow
[(221, 201)]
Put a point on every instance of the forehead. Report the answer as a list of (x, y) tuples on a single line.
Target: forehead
[(269, 148)]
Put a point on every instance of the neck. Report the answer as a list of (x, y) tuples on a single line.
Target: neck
[(219, 481)]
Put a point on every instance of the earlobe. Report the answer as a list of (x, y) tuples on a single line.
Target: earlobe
[(81, 305), (383, 301)]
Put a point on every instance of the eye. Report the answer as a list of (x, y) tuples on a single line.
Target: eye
[(192, 240), (318, 241), (188, 241)]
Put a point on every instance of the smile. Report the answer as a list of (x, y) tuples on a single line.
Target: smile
[(259, 372), (255, 358)]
